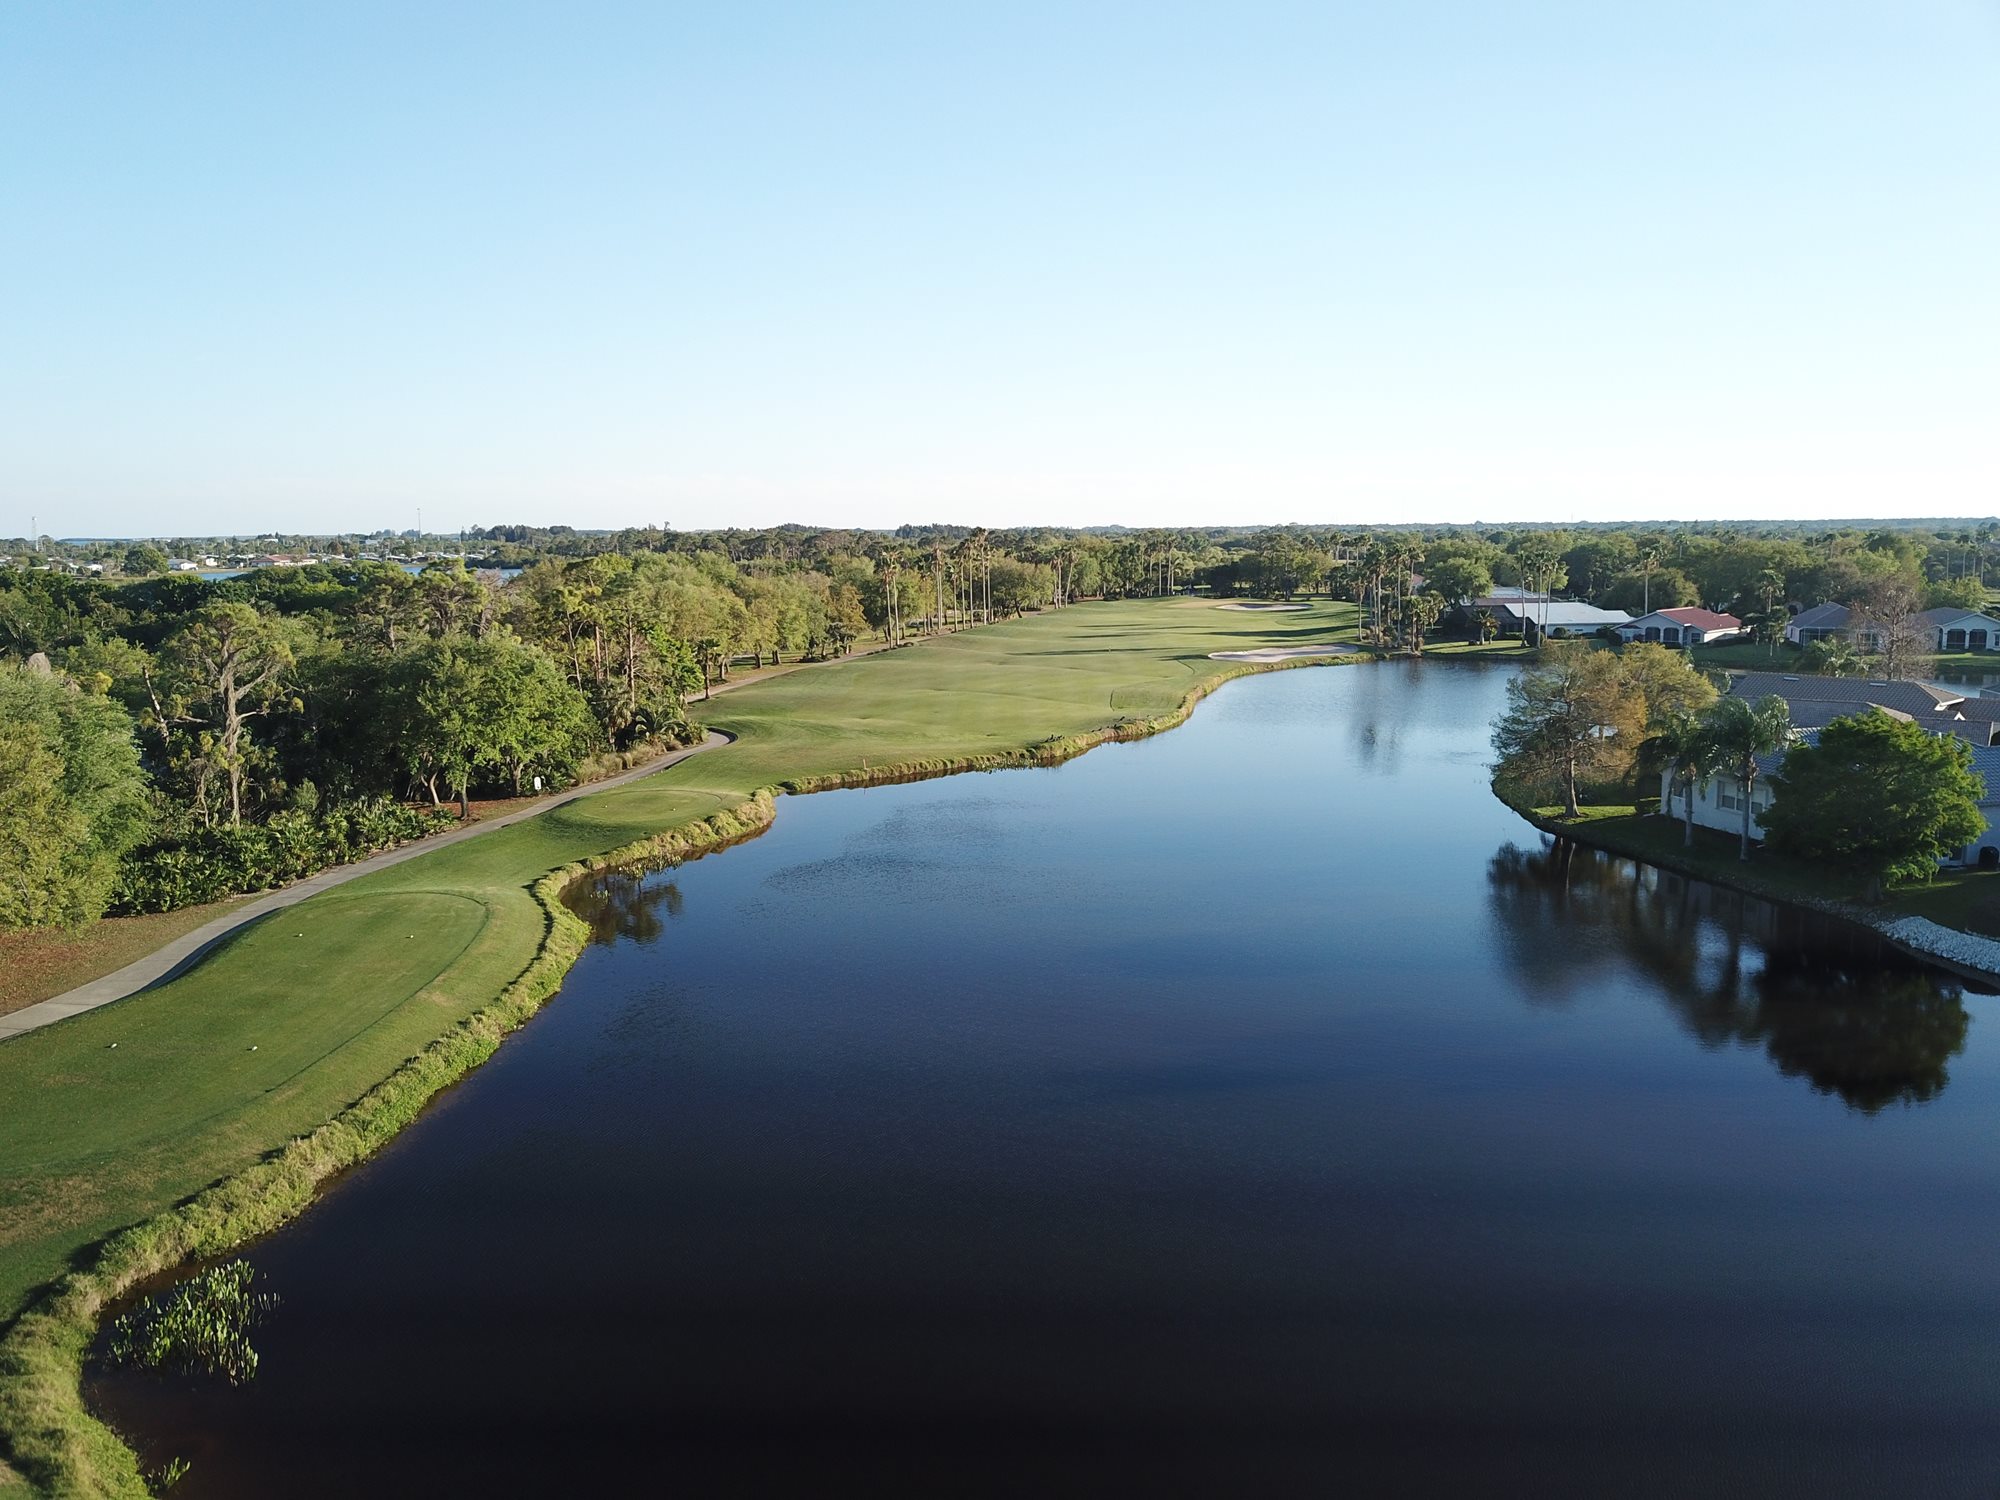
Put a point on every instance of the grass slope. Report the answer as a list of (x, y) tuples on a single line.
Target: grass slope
[(116, 1115)]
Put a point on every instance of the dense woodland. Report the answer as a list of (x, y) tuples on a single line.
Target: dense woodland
[(168, 738)]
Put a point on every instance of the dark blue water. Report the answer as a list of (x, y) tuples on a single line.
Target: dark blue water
[(1257, 1109)]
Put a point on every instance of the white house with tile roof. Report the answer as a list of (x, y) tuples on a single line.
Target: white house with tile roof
[(1683, 627)]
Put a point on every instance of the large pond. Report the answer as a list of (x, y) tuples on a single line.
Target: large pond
[(1261, 1108)]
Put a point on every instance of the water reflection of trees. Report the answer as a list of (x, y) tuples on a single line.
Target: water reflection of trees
[(626, 907), (1825, 1002)]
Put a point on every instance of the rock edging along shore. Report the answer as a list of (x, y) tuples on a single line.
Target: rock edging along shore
[(45, 1429), (1953, 945), (1920, 937)]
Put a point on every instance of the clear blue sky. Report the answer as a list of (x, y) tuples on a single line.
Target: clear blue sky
[(314, 266)]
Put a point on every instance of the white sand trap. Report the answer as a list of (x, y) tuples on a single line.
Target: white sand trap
[(1279, 653), (1265, 608)]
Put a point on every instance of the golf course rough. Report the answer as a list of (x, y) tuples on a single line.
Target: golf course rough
[(363, 1003)]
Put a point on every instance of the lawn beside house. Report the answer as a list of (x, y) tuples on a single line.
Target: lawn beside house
[(1754, 656)]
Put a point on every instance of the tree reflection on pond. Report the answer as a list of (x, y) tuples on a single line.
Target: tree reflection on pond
[(620, 905), (1825, 1001)]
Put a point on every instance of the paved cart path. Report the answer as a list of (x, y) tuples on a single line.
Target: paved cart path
[(165, 961)]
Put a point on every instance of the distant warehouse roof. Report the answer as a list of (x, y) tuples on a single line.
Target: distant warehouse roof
[(1562, 615)]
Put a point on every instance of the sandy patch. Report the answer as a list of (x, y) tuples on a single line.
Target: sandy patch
[(1279, 653), (1266, 608)]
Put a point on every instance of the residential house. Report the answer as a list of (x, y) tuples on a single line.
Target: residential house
[(1823, 622), (1683, 627), (1814, 703), (1956, 629)]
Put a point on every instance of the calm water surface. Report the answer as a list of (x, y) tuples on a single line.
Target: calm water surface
[(1257, 1109)]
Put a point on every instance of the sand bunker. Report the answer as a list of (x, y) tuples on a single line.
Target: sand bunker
[(1261, 608), (1279, 653)]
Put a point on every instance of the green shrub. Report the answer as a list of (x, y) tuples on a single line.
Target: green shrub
[(206, 864)]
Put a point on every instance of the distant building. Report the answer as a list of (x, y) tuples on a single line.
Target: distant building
[(1510, 598), (1529, 617), (1683, 627)]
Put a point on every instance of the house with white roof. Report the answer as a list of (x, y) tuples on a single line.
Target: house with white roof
[(1532, 617), (1683, 627)]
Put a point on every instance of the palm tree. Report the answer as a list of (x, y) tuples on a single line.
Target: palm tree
[(1485, 625), (1684, 742), (1770, 588), (1834, 656), (1374, 563), (1649, 559), (1742, 731), (1420, 613)]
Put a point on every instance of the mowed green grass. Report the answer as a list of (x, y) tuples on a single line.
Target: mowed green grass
[(108, 1118), (1753, 656)]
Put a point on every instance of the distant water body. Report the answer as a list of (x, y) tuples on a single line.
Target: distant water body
[(1258, 1109)]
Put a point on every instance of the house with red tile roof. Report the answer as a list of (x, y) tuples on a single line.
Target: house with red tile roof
[(1683, 627)]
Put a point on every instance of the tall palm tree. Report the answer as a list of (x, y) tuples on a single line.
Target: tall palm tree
[(1689, 750), (1742, 732), (1770, 588), (1374, 563)]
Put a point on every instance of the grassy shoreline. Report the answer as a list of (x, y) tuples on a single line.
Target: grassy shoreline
[(1022, 694)]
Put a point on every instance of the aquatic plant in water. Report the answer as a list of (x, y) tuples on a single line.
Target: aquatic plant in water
[(201, 1327)]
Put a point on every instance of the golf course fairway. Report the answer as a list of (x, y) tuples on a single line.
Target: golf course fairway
[(117, 1115)]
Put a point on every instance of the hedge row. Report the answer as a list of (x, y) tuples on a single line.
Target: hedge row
[(207, 864)]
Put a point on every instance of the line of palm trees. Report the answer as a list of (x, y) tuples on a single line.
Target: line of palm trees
[(1732, 734)]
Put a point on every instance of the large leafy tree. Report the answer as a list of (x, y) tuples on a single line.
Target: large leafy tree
[(224, 668), (464, 710), (1457, 575), (72, 799), (1876, 797), (1665, 680), (1571, 718)]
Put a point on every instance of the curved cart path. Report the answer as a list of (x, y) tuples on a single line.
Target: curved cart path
[(163, 962)]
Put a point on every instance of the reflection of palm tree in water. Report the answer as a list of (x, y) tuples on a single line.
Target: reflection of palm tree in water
[(623, 906), (1827, 1004)]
